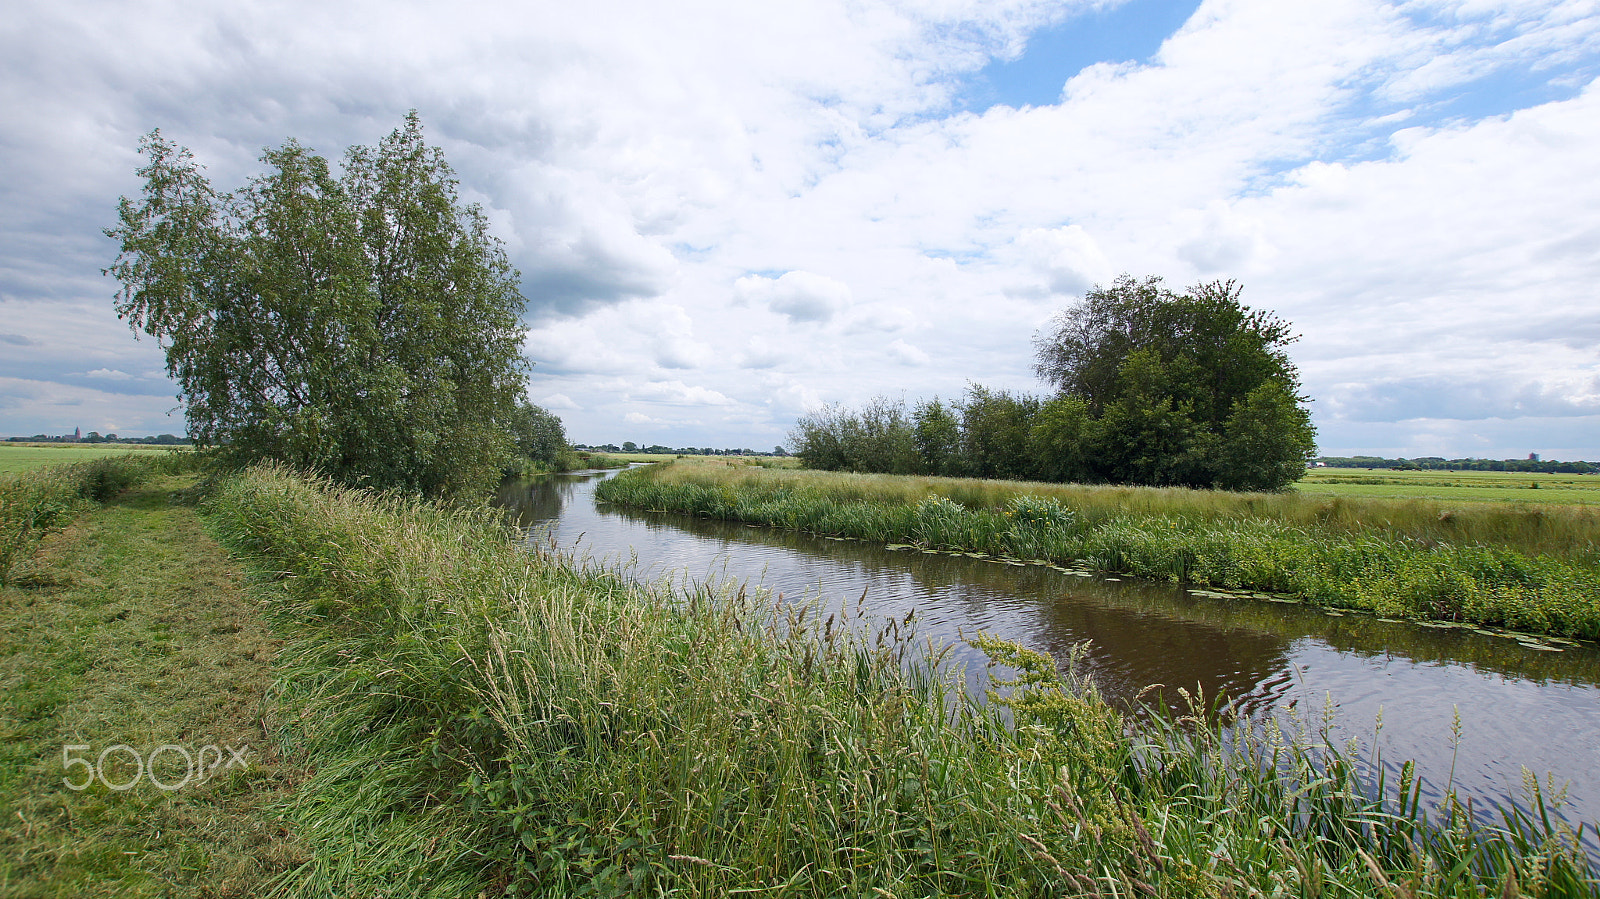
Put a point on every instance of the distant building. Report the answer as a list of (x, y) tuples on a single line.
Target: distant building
[(1533, 457)]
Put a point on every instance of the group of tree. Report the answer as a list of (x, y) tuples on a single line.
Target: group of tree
[(541, 442), (1151, 386), (656, 449), (97, 437), (1439, 463), (364, 324)]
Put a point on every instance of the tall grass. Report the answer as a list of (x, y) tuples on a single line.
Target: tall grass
[(484, 720), (1189, 536), (36, 503)]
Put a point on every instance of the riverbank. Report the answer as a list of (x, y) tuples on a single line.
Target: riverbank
[(128, 645), (479, 718), (1406, 559), (467, 719)]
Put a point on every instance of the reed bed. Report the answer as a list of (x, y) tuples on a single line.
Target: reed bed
[(1259, 542), (1560, 530), (481, 720)]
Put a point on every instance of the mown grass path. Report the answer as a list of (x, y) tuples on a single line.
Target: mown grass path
[(132, 629)]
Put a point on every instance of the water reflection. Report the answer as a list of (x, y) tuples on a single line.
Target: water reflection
[(1516, 705)]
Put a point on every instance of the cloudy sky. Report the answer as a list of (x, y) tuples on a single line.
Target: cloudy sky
[(726, 213)]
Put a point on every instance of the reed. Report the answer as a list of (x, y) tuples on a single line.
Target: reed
[(1255, 542), (484, 719), (1562, 530)]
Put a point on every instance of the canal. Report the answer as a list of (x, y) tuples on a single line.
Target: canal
[(1393, 690)]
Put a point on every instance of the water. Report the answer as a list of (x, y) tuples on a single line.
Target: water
[(1513, 705)]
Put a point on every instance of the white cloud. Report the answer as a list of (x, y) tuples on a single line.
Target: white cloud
[(1222, 240), (906, 354), (1068, 258), (677, 393), (802, 296), (559, 402), (759, 353), (779, 205)]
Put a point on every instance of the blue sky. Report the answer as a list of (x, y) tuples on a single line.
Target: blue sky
[(726, 214), (1127, 32)]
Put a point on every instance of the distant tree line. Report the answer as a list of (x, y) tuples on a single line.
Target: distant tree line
[(656, 449), (1439, 463), (96, 437), (1153, 387)]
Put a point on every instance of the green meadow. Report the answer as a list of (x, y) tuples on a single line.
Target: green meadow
[(18, 456), (1464, 486)]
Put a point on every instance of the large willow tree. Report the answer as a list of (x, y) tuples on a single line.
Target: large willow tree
[(366, 325)]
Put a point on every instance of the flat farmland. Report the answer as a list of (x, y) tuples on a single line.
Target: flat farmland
[(18, 457), (1461, 486)]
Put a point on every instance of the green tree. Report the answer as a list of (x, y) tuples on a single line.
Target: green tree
[(938, 437), (365, 325), (1192, 389), (541, 439), (995, 434), (1064, 440), (880, 438)]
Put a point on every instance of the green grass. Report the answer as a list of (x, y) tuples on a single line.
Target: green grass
[(481, 720), (131, 628), (18, 457), (1393, 558), (1458, 487)]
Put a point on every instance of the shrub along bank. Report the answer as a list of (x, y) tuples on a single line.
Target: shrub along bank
[(1378, 570), (481, 718)]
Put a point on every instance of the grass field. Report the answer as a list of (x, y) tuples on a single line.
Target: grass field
[(1458, 486), (18, 457), (132, 629)]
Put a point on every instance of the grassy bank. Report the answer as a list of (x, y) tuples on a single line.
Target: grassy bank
[(130, 628), (481, 720), (1526, 569)]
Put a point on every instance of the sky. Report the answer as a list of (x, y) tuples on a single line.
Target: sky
[(728, 213)]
